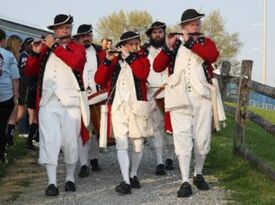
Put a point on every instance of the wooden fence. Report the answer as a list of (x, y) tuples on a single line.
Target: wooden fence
[(244, 86)]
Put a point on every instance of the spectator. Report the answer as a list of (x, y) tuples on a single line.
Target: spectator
[(27, 95), (104, 42), (109, 44), (13, 45), (9, 76)]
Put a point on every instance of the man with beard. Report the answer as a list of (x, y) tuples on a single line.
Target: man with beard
[(156, 34), (93, 55)]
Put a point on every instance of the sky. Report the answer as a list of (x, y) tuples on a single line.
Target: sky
[(242, 16)]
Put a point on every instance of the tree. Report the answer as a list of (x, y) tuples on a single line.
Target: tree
[(114, 25), (228, 44)]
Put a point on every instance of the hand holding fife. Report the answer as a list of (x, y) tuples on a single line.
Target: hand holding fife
[(124, 51), (36, 46), (171, 41), (185, 35), (110, 55), (49, 41)]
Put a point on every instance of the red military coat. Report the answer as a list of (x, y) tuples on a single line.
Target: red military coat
[(203, 47), (73, 55), (108, 72)]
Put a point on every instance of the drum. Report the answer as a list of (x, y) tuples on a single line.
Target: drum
[(159, 98), (95, 101)]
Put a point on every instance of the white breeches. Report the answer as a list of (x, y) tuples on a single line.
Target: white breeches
[(158, 126), (59, 128), (83, 151), (189, 131), (120, 124)]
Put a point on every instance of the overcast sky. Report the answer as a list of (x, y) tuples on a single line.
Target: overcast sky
[(242, 16)]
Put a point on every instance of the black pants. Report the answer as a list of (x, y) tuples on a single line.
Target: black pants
[(6, 108)]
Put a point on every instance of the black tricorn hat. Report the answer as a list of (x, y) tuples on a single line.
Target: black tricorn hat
[(156, 24), (190, 15), (126, 36), (61, 19), (84, 29)]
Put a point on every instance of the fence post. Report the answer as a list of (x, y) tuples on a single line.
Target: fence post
[(242, 102), (224, 78)]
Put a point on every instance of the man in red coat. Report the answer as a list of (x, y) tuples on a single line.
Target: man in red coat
[(126, 75), (156, 80), (187, 95), (94, 54), (59, 63)]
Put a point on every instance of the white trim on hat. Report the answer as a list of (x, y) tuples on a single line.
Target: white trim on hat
[(193, 19), (130, 38), (86, 32), (61, 23)]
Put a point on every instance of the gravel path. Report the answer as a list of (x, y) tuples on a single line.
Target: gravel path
[(99, 187)]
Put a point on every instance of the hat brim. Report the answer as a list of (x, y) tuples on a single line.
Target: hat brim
[(192, 19), (149, 31), (66, 21), (82, 34), (127, 39), (52, 27)]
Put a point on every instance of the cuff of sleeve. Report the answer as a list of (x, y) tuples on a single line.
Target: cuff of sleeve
[(107, 62), (190, 43), (167, 51), (131, 58), (54, 46)]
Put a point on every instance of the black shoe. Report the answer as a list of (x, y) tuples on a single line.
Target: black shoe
[(200, 183), (10, 140), (169, 164), (160, 170), (95, 165), (185, 190), (32, 147), (84, 171), (70, 186), (123, 188), (10, 133), (135, 182), (52, 190), (36, 137), (3, 158)]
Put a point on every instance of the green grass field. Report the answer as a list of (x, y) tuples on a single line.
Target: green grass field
[(248, 185), (17, 151), (266, 114)]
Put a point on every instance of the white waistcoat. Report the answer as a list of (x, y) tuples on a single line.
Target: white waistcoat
[(188, 77), (195, 78), (125, 86), (90, 69), (59, 79), (155, 79)]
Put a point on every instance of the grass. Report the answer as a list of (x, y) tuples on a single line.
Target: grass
[(261, 142), (17, 151), (248, 185), (266, 114)]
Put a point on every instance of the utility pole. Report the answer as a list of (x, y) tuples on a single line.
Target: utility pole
[(264, 45)]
